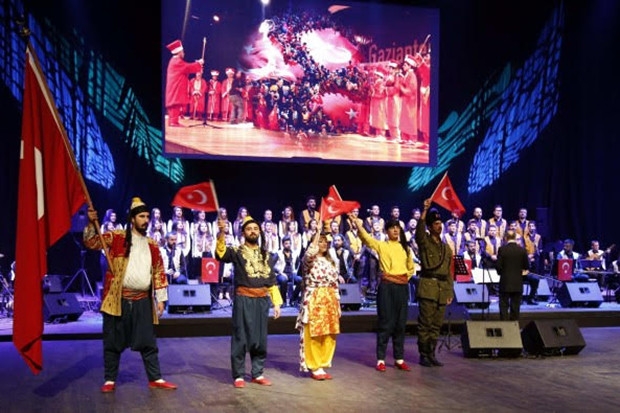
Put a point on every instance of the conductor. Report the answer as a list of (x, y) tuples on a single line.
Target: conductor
[(512, 265)]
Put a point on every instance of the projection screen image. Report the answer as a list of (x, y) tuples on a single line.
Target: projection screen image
[(307, 81)]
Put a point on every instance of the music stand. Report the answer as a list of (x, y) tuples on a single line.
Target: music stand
[(485, 275), (460, 268), (78, 223), (84, 281)]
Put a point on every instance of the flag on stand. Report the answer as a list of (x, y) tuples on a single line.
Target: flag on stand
[(201, 197), (445, 196), (51, 190), (210, 270)]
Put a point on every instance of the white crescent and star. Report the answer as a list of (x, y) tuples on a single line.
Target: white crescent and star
[(210, 266), (352, 113), (444, 196), (565, 267), (331, 209), (201, 194)]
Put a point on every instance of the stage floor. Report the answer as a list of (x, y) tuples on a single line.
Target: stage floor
[(73, 373), (216, 322), (216, 139)]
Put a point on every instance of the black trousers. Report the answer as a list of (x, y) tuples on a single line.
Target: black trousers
[(133, 329), (249, 324), (510, 301), (392, 306)]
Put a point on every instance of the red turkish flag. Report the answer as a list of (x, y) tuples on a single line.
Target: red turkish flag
[(201, 197), (335, 208), (210, 270), (565, 269), (333, 194), (445, 196), (51, 191)]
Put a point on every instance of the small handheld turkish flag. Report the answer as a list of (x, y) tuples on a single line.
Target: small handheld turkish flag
[(332, 209), (201, 197), (445, 196)]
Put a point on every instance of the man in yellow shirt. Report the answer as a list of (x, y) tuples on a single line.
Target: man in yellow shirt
[(396, 263)]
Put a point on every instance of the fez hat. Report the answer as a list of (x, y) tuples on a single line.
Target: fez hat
[(175, 47)]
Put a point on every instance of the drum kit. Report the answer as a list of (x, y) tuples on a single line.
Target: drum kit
[(6, 292)]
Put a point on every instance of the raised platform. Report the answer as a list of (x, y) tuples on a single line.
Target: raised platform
[(217, 322)]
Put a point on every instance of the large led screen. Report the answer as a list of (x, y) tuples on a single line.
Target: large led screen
[(300, 81)]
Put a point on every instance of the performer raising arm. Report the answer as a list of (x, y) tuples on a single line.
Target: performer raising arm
[(319, 317), (255, 282), (136, 273), (396, 262), (435, 289)]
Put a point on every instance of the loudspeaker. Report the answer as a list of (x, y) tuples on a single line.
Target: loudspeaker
[(350, 297), (552, 337), (543, 289), (576, 294), (455, 313), (189, 298), (52, 283), (491, 338), (61, 307), (472, 295)]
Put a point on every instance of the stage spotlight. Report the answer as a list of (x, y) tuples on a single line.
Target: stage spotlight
[(265, 2), (216, 18)]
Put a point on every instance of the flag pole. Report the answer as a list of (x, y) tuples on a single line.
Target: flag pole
[(338, 192), (65, 140), (438, 185), (217, 204)]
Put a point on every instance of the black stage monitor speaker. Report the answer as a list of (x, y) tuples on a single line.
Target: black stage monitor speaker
[(61, 307), (576, 294), (552, 337), (189, 298), (350, 297), (543, 289), (472, 295), (491, 338)]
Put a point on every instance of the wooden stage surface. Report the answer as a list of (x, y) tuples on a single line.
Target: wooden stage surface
[(216, 139), (195, 354), (200, 366)]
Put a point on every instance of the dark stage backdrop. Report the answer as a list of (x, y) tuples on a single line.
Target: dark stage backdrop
[(569, 170)]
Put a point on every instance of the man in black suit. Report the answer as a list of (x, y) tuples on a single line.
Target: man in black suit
[(512, 265)]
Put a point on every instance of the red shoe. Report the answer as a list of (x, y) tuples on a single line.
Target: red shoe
[(262, 381), (402, 366), (319, 377), (380, 367), (328, 376), (166, 385), (239, 384), (108, 388)]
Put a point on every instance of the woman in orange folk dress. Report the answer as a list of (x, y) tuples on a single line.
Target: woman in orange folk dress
[(318, 321)]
